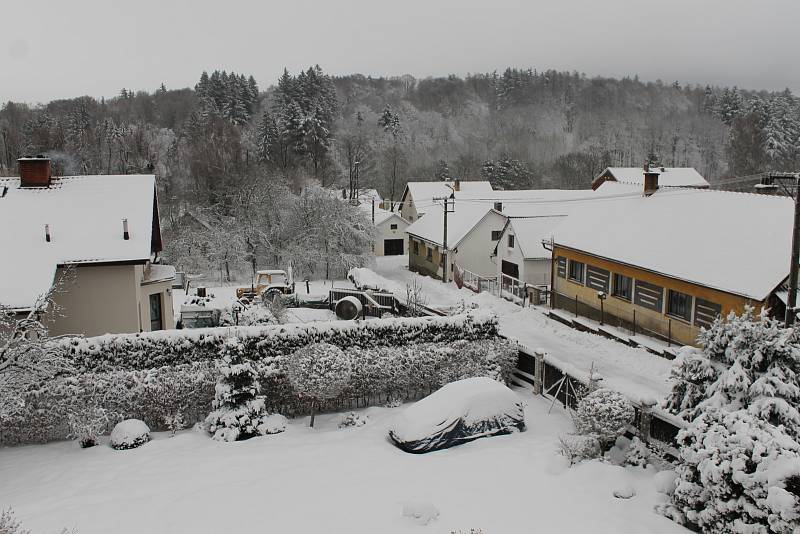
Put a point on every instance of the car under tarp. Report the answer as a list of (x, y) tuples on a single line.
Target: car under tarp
[(457, 413)]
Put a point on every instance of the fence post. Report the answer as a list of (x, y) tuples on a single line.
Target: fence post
[(669, 332), (645, 419), (538, 372), (576, 305), (634, 323)]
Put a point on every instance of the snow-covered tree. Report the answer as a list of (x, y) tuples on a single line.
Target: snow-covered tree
[(738, 474), (239, 410), (319, 372), (26, 356), (604, 413), (747, 362)]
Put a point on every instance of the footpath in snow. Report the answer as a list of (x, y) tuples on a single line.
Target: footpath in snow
[(634, 372)]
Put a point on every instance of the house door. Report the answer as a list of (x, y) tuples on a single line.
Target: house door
[(393, 247), (509, 268), (156, 317)]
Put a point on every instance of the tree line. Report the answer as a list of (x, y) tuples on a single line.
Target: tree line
[(521, 128)]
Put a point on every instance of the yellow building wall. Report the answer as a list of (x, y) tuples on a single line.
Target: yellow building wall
[(419, 262), (681, 331)]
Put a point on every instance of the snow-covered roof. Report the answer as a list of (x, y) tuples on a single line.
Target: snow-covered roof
[(84, 215), (530, 231), (158, 273), (668, 176), (361, 194), (381, 215), (459, 222), (531, 202), (423, 193), (734, 242)]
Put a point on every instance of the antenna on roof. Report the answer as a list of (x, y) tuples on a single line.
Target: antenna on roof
[(125, 235), (47, 232)]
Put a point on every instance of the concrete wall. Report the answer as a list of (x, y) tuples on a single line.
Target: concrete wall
[(657, 322), (384, 231)]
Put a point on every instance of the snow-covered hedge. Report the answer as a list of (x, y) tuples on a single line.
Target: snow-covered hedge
[(149, 350), (378, 374), (156, 396)]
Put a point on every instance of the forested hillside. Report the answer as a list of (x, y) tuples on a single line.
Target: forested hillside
[(226, 143)]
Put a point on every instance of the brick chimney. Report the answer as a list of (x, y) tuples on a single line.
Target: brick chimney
[(34, 171), (457, 185), (650, 180)]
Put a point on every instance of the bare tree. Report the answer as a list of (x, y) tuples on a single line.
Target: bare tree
[(27, 355)]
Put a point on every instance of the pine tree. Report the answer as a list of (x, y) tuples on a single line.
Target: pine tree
[(239, 409)]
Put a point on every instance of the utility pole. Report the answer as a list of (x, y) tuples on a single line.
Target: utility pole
[(449, 207), (789, 183), (373, 211), (791, 301)]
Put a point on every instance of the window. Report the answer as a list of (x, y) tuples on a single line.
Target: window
[(429, 255), (416, 247), (496, 235), (561, 267), (411, 218), (679, 305), (498, 206), (576, 271), (156, 322), (393, 226), (510, 240), (623, 287), (705, 312)]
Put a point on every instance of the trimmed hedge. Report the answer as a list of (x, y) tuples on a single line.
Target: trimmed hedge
[(150, 350), (379, 374)]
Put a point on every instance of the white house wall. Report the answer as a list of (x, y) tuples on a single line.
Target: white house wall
[(532, 271), (475, 250), (384, 231)]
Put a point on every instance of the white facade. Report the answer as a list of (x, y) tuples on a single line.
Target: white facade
[(534, 271), (474, 251), (389, 233)]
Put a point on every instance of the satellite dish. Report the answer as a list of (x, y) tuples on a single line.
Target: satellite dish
[(348, 308)]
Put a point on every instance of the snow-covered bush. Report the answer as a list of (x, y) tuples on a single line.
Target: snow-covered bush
[(577, 447), (129, 434), (353, 419), (239, 409), (747, 362), (638, 454), (736, 475), (87, 424), (605, 414), (267, 344), (319, 372)]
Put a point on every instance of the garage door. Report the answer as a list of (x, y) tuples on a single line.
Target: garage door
[(509, 268), (393, 247)]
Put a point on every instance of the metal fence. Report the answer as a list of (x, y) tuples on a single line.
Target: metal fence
[(374, 303), (630, 324), (551, 381)]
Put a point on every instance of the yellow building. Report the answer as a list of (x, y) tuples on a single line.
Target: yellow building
[(672, 260)]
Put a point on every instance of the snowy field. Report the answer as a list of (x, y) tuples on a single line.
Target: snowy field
[(327, 479), (633, 371)]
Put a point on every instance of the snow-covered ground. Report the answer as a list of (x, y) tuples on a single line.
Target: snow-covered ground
[(225, 296), (632, 371), (327, 480)]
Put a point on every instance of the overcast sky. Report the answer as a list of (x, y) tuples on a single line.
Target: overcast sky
[(57, 48)]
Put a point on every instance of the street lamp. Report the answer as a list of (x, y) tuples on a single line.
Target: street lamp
[(601, 295)]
